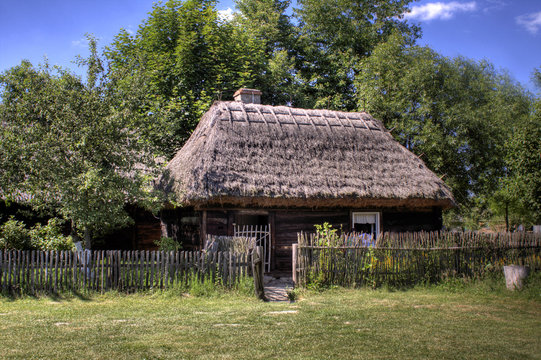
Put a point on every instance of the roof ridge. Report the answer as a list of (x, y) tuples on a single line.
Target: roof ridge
[(330, 118)]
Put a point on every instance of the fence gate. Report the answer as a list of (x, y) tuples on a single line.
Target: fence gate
[(262, 236)]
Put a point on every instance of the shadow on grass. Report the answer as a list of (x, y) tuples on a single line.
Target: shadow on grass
[(54, 296)]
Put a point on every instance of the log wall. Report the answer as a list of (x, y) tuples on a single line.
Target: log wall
[(183, 225), (289, 223), (286, 223)]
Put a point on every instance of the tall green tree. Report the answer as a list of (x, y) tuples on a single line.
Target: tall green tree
[(457, 114), (188, 56), (73, 147), (266, 21), (523, 163), (336, 35), (518, 197)]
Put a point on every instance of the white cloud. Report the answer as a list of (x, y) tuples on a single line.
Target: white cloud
[(532, 22), (82, 43), (439, 10), (226, 15), (494, 5)]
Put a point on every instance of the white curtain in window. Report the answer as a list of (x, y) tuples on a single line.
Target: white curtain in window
[(364, 218)]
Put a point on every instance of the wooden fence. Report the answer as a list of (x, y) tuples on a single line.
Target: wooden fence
[(406, 259), (54, 271)]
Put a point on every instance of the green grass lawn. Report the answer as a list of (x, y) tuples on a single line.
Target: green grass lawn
[(468, 322)]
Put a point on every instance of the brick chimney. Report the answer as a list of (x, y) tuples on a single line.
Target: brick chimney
[(248, 96)]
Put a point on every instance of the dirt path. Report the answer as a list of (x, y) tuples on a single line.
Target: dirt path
[(276, 288)]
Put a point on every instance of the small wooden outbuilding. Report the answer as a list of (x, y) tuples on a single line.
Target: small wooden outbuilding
[(252, 164)]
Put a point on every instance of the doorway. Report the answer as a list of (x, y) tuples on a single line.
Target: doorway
[(256, 225)]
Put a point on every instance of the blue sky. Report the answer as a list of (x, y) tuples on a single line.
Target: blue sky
[(505, 32)]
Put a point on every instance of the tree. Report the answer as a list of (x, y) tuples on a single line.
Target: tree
[(335, 36), (524, 162), (518, 197), (74, 147), (276, 73), (188, 56), (536, 77), (457, 114)]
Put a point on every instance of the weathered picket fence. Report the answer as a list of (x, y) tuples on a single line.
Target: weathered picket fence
[(53, 271), (409, 258)]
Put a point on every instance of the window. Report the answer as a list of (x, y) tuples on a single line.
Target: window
[(366, 222)]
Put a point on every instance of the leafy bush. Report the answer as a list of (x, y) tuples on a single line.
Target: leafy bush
[(326, 235), (14, 236), (50, 237), (168, 244)]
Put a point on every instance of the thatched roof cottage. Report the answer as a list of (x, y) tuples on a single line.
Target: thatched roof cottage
[(253, 164)]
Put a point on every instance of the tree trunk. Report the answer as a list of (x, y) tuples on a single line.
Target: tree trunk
[(88, 242), (73, 233)]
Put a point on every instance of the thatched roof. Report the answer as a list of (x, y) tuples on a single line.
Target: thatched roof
[(254, 155)]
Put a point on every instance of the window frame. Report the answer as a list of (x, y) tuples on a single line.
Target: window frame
[(378, 219)]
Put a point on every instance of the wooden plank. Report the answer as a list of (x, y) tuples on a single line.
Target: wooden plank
[(2, 270), (2, 262), (54, 266), (141, 269), (103, 275), (10, 269), (160, 268), (177, 266), (115, 254), (146, 269), (203, 227), (166, 268), (32, 271), (225, 266), (294, 263)]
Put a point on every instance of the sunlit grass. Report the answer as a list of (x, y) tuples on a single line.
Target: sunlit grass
[(455, 321)]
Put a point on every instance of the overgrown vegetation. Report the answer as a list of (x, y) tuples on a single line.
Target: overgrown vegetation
[(403, 260), (195, 286), (168, 244)]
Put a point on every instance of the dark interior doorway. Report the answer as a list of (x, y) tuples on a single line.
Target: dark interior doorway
[(251, 219)]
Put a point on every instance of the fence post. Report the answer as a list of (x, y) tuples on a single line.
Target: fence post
[(258, 268), (294, 263)]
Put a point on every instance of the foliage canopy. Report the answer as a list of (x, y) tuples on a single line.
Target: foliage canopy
[(74, 147)]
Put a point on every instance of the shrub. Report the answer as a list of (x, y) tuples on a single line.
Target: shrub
[(14, 236), (50, 237), (326, 235), (168, 244)]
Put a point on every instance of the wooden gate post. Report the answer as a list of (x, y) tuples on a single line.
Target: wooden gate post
[(258, 265), (294, 262)]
